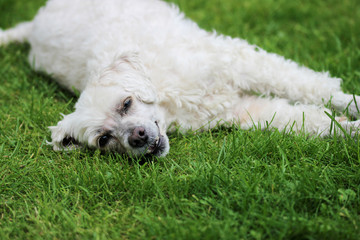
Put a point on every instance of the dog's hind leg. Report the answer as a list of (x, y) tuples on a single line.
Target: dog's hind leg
[(268, 113)]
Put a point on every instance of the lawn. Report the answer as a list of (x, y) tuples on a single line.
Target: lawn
[(221, 184)]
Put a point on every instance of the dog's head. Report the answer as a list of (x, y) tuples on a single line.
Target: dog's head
[(118, 111)]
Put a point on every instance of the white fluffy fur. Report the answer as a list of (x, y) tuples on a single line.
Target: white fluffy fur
[(176, 73)]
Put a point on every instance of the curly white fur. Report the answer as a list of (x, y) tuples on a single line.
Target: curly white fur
[(173, 71)]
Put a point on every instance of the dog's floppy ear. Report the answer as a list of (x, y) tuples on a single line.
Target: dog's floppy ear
[(62, 135), (134, 76), (128, 59)]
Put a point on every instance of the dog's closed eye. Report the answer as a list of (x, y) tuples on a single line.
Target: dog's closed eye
[(125, 106)]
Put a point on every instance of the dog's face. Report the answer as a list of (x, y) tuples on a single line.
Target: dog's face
[(118, 111)]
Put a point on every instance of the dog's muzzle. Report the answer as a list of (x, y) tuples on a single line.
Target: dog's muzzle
[(153, 145)]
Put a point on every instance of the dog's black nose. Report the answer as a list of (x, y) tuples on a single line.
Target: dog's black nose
[(138, 138)]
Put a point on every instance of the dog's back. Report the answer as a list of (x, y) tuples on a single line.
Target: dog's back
[(72, 39)]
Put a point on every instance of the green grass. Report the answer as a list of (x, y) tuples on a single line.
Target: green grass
[(220, 184)]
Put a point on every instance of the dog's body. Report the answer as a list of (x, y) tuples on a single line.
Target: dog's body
[(141, 66)]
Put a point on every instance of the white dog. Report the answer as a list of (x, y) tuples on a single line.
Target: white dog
[(141, 67)]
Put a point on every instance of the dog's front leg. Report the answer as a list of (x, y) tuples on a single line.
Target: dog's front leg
[(270, 74), (279, 113)]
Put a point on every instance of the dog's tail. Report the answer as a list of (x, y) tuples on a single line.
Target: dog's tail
[(19, 33)]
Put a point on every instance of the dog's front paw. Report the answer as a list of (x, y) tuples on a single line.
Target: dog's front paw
[(351, 127), (348, 103), (354, 107)]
